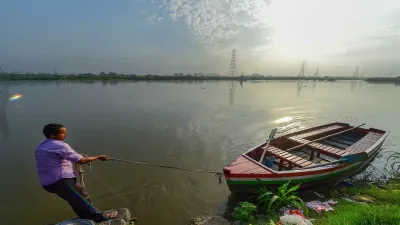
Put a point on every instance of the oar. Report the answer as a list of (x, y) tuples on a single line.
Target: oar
[(348, 159), (319, 139), (271, 135)]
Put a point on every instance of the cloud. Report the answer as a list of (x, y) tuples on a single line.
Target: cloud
[(279, 33), (221, 25)]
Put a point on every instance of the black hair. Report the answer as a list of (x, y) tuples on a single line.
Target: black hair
[(52, 128)]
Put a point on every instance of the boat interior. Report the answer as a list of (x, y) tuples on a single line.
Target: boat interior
[(281, 157)]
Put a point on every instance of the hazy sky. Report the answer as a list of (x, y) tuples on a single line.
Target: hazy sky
[(167, 36)]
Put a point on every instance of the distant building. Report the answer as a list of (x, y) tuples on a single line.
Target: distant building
[(256, 75), (212, 74)]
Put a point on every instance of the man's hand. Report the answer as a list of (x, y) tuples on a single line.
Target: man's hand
[(103, 157), (88, 159)]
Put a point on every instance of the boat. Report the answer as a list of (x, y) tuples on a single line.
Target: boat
[(311, 157)]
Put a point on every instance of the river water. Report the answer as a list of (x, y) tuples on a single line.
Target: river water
[(203, 125)]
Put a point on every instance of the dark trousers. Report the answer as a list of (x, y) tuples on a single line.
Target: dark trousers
[(77, 198)]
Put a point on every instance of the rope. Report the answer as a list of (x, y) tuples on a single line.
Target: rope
[(81, 172), (218, 174)]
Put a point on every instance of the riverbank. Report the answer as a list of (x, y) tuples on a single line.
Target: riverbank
[(366, 205), (383, 79), (38, 77), (363, 204)]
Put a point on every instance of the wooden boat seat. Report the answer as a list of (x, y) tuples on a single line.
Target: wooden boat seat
[(361, 145), (364, 143), (321, 148), (288, 157)]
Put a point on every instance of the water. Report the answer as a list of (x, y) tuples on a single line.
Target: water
[(202, 125)]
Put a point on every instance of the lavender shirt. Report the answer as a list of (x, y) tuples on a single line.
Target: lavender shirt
[(54, 161)]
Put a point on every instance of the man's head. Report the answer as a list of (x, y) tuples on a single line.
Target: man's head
[(55, 131)]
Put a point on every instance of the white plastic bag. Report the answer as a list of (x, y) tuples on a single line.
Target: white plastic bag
[(294, 219)]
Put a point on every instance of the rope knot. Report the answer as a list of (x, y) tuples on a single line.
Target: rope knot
[(219, 175), (81, 172)]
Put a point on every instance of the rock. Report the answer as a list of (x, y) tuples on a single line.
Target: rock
[(379, 185), (114, 222), (211, 220), (350, 200), (364, 199), (123, 217)]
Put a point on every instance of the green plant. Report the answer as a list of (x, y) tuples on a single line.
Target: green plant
[(264, 196), (245, 212), (285, 196)]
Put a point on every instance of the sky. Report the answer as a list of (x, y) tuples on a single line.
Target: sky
[(272, 37)]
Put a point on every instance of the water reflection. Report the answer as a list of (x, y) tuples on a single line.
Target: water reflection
[(299, 87), (4, 93), (283, 120), (188, 134), (353, 84), (314, 85), (232, 88)]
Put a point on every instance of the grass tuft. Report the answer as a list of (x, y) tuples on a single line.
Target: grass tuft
[(358, 214), (383, 211)]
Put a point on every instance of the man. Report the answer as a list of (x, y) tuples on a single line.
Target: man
[(56, 174)]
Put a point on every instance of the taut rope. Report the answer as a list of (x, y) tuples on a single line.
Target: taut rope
[(218, 174), (81, 172)]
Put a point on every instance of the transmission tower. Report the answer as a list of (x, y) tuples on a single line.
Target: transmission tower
[(300, 82), (232, 73), (1, 70), (356, 75), (301, 73), (232, 68), (316, 72)]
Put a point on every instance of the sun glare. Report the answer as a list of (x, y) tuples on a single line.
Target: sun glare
[(313, 28)]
